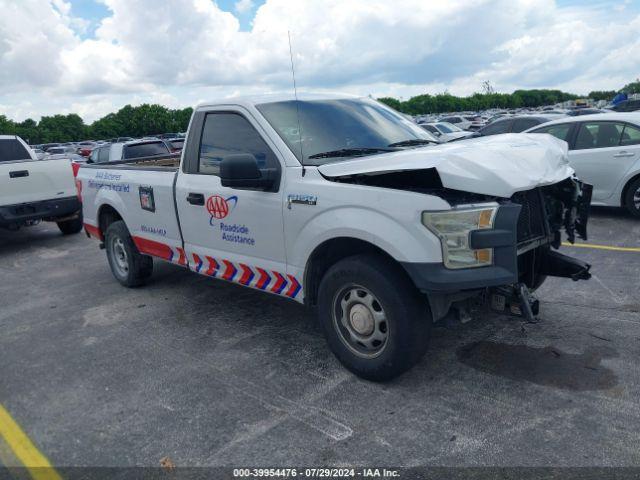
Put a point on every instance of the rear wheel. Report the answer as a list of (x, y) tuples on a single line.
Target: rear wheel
[(128, 265), (69, 227), (632, 198), (375, 321)]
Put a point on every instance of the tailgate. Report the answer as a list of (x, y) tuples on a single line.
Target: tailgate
[(32, 181)]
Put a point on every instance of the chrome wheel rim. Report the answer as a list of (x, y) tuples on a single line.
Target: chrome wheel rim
[(360, 321), (119, 256)]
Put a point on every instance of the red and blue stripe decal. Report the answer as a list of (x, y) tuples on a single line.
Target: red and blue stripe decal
[(294, 288), (255, 277), (264, 279), (198, 261), (230, 271), (281, 282), (212, 271), (247, 275)]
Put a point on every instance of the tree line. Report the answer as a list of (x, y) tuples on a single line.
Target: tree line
[(127, 122), (445, 102), (149, 119)]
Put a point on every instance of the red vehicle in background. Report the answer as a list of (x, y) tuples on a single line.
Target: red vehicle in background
[(85, 148)]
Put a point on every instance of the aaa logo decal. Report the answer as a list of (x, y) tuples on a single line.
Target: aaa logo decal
[(220, 207)]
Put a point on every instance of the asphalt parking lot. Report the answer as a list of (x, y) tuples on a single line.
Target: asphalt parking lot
[(207, 373)]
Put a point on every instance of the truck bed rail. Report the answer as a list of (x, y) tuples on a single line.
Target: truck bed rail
[(164, 162)]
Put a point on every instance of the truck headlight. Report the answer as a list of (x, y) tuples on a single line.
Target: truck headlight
[(452, 227)]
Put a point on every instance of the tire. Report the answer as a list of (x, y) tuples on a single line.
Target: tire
[(374, 319), (70, 227), (632, 198), (128, 265)]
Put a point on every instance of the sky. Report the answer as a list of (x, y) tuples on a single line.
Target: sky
[(92, 57)]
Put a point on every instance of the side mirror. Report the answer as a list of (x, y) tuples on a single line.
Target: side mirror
[(242, 171)]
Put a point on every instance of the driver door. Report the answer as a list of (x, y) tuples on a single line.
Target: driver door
[(231, 233)]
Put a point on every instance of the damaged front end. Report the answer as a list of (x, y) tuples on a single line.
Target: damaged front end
[(527, 232), (545, 212)]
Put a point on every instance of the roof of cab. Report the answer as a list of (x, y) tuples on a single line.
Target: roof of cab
[(252, 100)]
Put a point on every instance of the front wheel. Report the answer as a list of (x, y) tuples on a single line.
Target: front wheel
[(128, 265), (375, 321), (632, 198)]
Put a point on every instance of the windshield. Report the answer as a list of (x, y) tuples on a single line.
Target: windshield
[(446, 127), (362, 125)]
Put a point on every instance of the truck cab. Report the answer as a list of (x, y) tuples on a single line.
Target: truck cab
[(346, 206)]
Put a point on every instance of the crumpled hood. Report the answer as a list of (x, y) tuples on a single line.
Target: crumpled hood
[(498, 165)]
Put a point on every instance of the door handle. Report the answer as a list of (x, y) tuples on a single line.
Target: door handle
[(624, 154), (195, 198), (19, 173)]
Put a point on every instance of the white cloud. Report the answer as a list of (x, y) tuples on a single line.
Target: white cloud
[(243, 6), (179, 51)]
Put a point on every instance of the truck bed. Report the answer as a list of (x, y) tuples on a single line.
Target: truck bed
[(157, 162)]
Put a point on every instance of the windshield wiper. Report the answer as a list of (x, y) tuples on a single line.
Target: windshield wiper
[(411, 142), (351, 152)]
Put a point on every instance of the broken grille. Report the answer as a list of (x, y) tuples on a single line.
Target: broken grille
[(531, 222)]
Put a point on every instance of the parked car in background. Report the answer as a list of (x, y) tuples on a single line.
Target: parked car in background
[(175, 144), (604, 150), (445, 132), (38, 152), (33, 190), (458, 120), (85, 148), (115, 152), (574, 112), (514, 124), (626, 106), (47, 146), (74, 157), (61, 150), (123, 139)]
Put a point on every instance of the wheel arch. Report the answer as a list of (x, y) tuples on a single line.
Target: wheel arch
[(107, 214), (625, 189), (328, 253)]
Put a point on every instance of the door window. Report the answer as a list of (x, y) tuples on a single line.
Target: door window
[(560, 130), (630, 136), (599, 135), (230, 134), (12, 150)]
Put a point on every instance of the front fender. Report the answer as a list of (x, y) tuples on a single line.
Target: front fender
[(402, 242)]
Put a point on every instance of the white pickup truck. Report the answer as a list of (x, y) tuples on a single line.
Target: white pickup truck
[(344, 205), (32, 190)]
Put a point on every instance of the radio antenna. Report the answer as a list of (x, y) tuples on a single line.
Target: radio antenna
[(295, 94)]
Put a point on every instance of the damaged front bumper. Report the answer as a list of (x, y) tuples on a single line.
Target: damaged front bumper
[(526, 233)]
